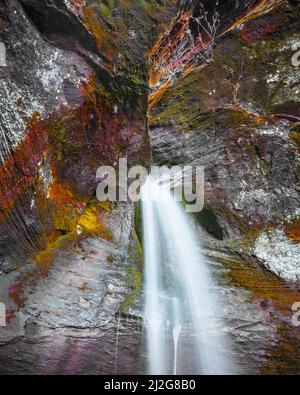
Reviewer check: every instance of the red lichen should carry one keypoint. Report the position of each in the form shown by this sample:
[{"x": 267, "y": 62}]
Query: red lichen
[
  {"x": 177, "y": 51},
  {"x": 259, "y": 30},
  {"x": 20, "y": 168}
]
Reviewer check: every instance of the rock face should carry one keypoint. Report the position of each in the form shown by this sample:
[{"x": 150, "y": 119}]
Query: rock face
[
  {"x": 238, "y": 116},
  {"x": 74, "y": 96},
  {"x": 75, "y": 319}
]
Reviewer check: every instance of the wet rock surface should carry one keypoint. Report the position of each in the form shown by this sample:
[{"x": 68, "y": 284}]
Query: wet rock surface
[
  {"x": 74, "y": 97},
  {"x": 238, "y": 117},
  {"x": 224, "y": 118},
  {"x": 76, "y": 320}
]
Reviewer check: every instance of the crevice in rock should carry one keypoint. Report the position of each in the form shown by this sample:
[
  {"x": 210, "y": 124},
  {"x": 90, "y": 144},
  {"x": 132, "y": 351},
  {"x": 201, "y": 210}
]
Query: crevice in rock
[{"x": 210, "y": 223}]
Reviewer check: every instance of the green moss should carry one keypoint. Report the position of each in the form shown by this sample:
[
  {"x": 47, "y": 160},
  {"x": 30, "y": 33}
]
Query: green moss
[
  {"x": 181, "y": 108},
  {"x": 136, "y": 258},
  {"x": 136, "y": 280},
  {"x": 138, "y": 225},
  {"x": 105, "y": 8}
]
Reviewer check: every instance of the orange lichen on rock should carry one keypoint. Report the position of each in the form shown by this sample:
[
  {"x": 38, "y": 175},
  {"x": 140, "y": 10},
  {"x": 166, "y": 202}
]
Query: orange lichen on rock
[
  {"x": 44, "y": 260},
  {"x": 177, "y": 51},
  {"x": 66, "y": 206},
  {"x": 84, "y": 287},
  {"x": 50, "y": 175},
  {"x": 19, "y": 170},
  {"x": 292, "y": 230},
  {"x": 162, "y": 51},
  {"x": 261, "y": 8},
  {"x": 15, "y": 291},
  {"x": 262, "y": 284}
]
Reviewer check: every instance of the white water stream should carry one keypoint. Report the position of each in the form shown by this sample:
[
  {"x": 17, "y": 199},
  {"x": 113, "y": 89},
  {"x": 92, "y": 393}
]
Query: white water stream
[{"x": 179, "y": 299}]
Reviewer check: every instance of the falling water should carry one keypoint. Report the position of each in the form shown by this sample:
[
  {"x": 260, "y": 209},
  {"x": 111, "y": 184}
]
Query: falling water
[
  {"x": 117, "y": 343},
  {"x": 181, "y": 325}
]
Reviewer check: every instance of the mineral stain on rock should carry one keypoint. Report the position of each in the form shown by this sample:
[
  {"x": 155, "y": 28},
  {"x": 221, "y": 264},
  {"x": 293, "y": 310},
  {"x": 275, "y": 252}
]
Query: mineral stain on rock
[{"x": 192, "y": 83}]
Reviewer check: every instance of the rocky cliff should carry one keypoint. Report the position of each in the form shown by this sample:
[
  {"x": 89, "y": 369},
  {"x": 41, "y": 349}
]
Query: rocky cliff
[
  {"x": 236, "y": 112},
  {"x": 88, "y": 82}
]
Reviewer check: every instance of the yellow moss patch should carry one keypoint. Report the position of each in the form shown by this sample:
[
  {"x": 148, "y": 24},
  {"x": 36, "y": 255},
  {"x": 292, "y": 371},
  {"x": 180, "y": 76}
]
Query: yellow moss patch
[
  {"x": 90, "y": 220},
  {"x": 94, "y": 222},
  {"x": 45, "y": 258}
]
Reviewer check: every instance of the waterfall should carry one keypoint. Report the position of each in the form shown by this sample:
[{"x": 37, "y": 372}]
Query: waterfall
[{"x": 179, "y": 298}]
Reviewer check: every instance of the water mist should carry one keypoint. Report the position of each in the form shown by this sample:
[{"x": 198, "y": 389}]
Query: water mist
[{"x": 179, "y": 301}]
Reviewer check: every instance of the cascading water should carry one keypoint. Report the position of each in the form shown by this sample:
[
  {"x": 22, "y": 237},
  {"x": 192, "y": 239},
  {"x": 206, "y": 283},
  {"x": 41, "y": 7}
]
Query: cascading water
[{"x": 179, "y": 300}]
